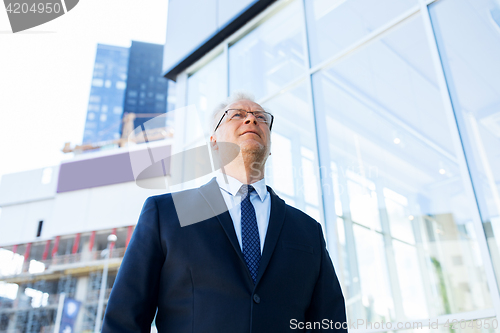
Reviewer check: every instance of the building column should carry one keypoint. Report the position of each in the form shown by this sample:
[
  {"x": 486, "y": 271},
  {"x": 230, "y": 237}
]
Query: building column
[{"x": 81, "y": 295}]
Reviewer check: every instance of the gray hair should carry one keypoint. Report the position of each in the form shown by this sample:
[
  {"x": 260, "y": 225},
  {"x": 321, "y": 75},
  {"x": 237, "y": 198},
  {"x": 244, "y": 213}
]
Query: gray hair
[{"x": 235, "y": 97}]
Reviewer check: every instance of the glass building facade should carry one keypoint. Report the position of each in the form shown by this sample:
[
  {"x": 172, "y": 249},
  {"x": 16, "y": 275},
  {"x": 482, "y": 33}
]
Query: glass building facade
[
  {"x": 146, "y": 93},
  {"x": 105, "y": 106},
  {"x": 387, "y": 131},
  {"x": 126, "y": 80}
]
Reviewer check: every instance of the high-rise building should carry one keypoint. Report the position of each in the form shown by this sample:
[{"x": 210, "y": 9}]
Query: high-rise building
[
  {"x": 146, "y": 93},
  {"x": 125, "y": 80},
  {"x": 105, "y": 106}
]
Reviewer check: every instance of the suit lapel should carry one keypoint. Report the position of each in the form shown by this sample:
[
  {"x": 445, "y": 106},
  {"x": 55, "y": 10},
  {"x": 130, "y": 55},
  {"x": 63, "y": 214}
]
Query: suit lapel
[
  {"x": 211, "y": 193},
  {"x": 276, "y": 219}
]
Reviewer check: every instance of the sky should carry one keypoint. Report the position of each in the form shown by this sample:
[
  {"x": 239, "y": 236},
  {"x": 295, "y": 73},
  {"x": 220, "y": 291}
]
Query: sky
[{"x": 46, "y": 71}]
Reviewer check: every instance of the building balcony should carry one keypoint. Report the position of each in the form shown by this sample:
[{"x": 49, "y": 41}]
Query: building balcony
[{"x": 17, "y": 270}]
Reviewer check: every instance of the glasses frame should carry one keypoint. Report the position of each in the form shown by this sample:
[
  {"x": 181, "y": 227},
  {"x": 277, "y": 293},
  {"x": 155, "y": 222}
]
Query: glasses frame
[{"x": 252, "y": 112}]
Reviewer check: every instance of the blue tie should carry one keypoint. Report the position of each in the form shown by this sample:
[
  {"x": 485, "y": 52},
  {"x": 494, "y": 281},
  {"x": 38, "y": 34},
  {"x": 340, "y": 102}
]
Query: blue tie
[{"x": 249, "y": 232}]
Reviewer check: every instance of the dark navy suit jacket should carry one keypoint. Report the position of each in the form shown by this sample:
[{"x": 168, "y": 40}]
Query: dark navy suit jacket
[{"x": 197, "y": 279}]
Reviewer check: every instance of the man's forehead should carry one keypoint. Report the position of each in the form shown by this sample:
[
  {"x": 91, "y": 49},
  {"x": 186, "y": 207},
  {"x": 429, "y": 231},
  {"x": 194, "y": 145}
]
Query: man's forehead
[{"x": 245, "y": 105}]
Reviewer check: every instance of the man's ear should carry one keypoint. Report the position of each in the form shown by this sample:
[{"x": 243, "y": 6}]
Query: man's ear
[{"x": 213, "y": 143}]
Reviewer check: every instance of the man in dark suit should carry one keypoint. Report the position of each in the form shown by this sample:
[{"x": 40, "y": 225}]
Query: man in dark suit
[{"x": 254, "y": 264}]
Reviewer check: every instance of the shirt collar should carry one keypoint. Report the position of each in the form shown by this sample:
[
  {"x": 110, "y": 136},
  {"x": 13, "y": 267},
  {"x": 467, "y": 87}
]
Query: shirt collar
[{"x": 233, "y": 185}]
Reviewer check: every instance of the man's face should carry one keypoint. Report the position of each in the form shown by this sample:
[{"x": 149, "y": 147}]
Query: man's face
[{"x": 250, "y": 135}]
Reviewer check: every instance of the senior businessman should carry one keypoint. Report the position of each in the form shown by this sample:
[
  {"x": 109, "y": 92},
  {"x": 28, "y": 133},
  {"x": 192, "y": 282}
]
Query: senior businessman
[{"x": 255, "y": 264}]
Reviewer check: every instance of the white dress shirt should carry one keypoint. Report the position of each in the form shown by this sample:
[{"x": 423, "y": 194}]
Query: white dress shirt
[{"x": 260, "y": 199}]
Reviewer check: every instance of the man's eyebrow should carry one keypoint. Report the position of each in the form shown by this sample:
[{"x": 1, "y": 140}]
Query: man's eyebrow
[{"x": 250, "y": 111}]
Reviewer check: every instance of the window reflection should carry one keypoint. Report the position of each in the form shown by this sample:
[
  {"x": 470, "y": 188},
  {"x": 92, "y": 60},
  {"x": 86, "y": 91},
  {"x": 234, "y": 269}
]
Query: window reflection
[
  {"x": 283, "y": 172},
  {"x": 375, "y": 291},
  {"x": 333, "y": 25},
  {"x": 10, "y": 263},
  {"x": 397, "y": 184},
  {"x": 270, "y": 56},
  {"x": 397, "y": 213},
  {"x": 410, "y": 280},
  {"x": 291, "y": 170},
  {"x": 8, "y": 290},
  {"x": 468, "y": 36},
  {"x": 363, "y": 202},
  {"x": 206, "y": 88},
  {"x": 310, "y": 182}
]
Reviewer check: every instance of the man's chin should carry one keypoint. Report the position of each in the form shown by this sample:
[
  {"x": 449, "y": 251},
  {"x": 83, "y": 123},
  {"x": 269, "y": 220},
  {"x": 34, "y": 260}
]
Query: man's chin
[{"x": 252, "y": 147}]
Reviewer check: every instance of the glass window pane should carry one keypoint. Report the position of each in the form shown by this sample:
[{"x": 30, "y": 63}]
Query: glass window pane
[
  {"x": 333, "y": 25},
  {"x": 270, "y": 56},
  {"x": 399, "y": 218},
  {"x": 283, "y": 177},
  {"x": 468, "y": 36},
  {"x": 410, "y": 280},
  {"x": 291, "y": 170},
  {"x": 375, "y": 290},
  {"x": 206, "y": 88},
  {"x": 363, "y": 203},
  {"x": 310, "y": 187},
  {"x": 398, "y": 177}
]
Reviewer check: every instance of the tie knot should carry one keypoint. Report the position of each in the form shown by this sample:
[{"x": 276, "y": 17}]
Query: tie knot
[{"x": 245, "y": 189}]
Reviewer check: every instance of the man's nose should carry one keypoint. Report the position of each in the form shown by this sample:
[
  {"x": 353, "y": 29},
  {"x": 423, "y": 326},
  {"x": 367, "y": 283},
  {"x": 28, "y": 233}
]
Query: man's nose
[{"x": 250, "y": 118}]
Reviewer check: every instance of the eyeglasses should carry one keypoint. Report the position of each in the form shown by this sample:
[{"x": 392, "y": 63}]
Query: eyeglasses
[{"x": 238, "y": 114}]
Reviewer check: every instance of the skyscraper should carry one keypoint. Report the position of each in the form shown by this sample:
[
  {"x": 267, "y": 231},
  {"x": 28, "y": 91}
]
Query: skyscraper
[
  {"x": 105, "y": 106},
  {"x": 125, "y": 80},
  {"x": 146, "y": 91}
]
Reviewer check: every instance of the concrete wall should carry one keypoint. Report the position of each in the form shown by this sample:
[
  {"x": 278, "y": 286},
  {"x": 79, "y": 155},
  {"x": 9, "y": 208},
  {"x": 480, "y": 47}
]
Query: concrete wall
[
  {"x": 72, "y": 212},
  {"x": 26, "y": 186},
  {"x": 93, "y": 191}
]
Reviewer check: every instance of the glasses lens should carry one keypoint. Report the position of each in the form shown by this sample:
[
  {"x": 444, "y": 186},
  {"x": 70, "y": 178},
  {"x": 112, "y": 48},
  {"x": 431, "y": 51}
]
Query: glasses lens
[
  {"x": 262, "y": 117},
  {"x": 237, "y": 114}
]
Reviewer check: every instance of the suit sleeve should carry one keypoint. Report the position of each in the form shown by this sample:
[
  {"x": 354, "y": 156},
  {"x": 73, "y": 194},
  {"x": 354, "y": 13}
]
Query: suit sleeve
[
  {"x": 134, "y": 297},
  {"x": 327, "y": 301}
]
